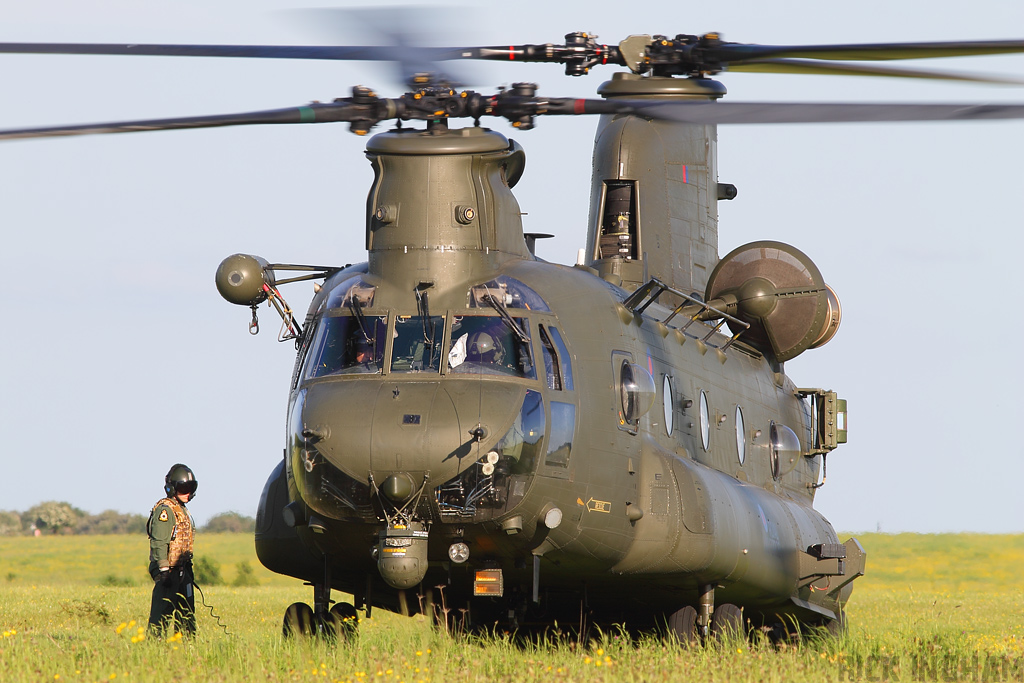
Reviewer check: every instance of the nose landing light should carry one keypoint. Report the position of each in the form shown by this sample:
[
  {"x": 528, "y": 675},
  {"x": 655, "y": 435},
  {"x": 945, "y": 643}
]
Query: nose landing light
[{"x": 458, "y": 552}]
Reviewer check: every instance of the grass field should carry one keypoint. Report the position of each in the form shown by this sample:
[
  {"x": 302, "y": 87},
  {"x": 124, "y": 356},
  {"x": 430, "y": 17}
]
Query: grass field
[{"x": 931, "y": 607}]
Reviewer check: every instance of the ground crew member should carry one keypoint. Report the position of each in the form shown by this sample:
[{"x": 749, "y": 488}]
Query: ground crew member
[{"x": 171, "y": 530}]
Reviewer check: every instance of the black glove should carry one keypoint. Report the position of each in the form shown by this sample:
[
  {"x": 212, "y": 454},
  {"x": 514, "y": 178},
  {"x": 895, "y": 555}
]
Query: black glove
[{"x": 163, "y": 577}]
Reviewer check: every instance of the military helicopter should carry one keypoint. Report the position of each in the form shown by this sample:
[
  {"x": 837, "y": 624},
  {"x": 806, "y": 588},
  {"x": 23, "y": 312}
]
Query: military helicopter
[{"x": 471, "y": 428}]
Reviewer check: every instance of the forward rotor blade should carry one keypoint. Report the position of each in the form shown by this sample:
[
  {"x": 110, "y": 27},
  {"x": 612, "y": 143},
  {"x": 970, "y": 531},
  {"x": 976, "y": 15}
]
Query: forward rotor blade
[
  {"x": 515, "y": 108},
  {"x": 819, "y": 112},
  {"x": 348, "y": 53},
  {"x": 314, "y": 113},
  {"x": 804, "y": 66},
  {"x": 736, "y": 52}
]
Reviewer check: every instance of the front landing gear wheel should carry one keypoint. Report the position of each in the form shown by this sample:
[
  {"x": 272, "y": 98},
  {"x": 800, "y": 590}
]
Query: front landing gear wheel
[
  {"x": 836, "y": 628},
  {"x": 682, "y": 625},
  {"x": 299, "y": 620},
  {"x": 342, "y": 621},
  {"x": 727, "y": 623}
]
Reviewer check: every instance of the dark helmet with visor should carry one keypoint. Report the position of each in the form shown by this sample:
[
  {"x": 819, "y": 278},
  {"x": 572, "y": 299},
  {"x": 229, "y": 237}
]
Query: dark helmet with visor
[{"x": 180, "y": 479}]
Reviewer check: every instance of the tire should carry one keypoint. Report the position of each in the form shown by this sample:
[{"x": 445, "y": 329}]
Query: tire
[
  {"x": 682, "y": 625},
  {"x": 727, "y": 623},
  {"x": 836, "y": 628},
  {"x": 298, "y": 620},
  {"x": 342, "y": 621}
]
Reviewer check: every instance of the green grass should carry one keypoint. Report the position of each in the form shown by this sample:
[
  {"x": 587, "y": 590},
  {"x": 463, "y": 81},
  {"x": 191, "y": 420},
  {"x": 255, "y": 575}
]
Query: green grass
[
  {"x": 940, "y": 607},
  {"x": 88, "y": 560}
]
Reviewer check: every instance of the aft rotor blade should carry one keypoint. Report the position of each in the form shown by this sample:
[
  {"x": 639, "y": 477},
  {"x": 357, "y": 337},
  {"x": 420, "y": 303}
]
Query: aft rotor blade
[
  {"x": 806, "y": 66},
  {"x": 314, "y": 113},
  {"x": 819, "y": 112},
  {"x": 737, "y": 52}
]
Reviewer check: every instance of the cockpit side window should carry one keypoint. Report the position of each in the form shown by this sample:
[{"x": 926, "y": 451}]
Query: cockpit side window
[
  {"x": 551, "y": 370},
  {"x": 490, "y": 345},
  {"x": 563, "y": 354},
  {"x": 348, "y": 344}
]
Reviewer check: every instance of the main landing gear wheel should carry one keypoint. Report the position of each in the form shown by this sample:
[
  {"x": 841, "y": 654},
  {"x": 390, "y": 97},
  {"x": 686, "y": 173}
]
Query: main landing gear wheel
[
  {"x": 682, "y": 625},
  {"x": 342, "y": 621},
  {"x": 299, "y": 620},
  {"x": 727, "y": 623}
]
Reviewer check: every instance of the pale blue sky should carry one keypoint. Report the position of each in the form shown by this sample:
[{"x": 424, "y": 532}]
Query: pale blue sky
[{"x": 119, "y": 357}]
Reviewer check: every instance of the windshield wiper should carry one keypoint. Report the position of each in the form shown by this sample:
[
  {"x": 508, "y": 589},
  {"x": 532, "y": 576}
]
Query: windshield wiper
[
  {"x": 357, "y": 312},
  {"x": 493, "y": 302}
]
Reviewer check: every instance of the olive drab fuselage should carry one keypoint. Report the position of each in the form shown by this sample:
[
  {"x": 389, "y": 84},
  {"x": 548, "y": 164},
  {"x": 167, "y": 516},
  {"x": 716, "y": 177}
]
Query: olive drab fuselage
[{"x": 456, "y": 390}]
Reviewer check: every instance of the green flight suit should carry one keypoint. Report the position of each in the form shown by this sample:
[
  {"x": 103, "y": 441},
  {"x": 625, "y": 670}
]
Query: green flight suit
[{"x": 173, "y": 606}]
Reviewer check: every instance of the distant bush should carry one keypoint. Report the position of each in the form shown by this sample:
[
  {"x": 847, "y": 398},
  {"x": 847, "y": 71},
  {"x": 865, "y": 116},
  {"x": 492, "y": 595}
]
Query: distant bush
[
  {"x": 115, "y": 581},
  {"x": 207, "y": 572},
  {"x": 52, "y": 516},
  {"x": 60, "y": 517},
  {"x": 10, "y": 523},
  {"x": 87, "y": 609},
  {"x": 245, "y": 576},
  {"x": 230, "y": 522},
  {"x": 112, "y": 522}
]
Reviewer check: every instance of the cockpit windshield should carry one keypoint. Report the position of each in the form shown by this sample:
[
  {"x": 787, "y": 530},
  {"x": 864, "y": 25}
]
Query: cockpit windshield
[
  {"x": 348, "y": 344},
  {"x": 490, "y": 345},
  {"x": 418, "y": 343}
]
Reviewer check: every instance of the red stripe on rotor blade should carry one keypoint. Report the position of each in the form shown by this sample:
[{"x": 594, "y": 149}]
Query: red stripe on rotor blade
[
  {"x": 579, "y": 106},
  {"x": 511, "y": 52}
]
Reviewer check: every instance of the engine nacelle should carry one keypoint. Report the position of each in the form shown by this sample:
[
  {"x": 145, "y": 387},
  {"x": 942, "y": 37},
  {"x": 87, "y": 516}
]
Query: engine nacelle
[
  {"x": 779, "y": 291},
  {"x": 242, "y": 279}
]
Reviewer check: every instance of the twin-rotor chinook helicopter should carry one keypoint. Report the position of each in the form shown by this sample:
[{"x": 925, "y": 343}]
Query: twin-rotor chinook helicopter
[{"x": 473, "y": 431}]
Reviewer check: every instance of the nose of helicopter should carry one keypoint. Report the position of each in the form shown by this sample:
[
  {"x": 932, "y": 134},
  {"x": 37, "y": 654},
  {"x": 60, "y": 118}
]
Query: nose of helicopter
[{"x": 400, "y": 431}]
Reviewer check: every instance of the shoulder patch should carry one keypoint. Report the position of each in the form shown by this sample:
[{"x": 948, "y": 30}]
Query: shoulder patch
[{"x": 163, "y": 515}]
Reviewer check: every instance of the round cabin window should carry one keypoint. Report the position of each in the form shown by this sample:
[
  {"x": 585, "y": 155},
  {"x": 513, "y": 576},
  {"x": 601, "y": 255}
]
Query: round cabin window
[
  {"x": 668, "y": 404},
  {"x": 741, "y": 437},
  {"x": 705, "y": 422}
]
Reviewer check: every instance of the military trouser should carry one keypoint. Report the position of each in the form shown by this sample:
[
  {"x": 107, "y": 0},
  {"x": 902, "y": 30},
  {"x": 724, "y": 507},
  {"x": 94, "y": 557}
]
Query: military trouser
[{"x": 174, "y": 603}]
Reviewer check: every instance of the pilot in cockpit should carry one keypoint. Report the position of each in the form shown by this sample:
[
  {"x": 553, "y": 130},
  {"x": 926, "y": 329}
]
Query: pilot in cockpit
[
  {"x": 484, "y": 348},
  {"x": 362, "y": 355}
]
